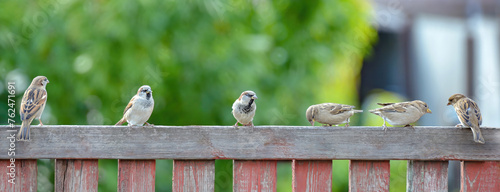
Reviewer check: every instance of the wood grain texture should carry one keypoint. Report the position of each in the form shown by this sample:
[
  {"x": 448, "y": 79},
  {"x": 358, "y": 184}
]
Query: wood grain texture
[
  {"x": 369, "y": 176},
  {"x": 25, "y": 175},
  {"x": 308, "y": 176},
  {"x": 193, "y": 176},
  {"x": 259, "y": 143},
  {"x": 480, "y": 176},
  {"x": 136, "y": 175},
  {"x": 76, "y": 175},
  {"x": 427, "y": 176},
  {"x": 253, "y": 176}
]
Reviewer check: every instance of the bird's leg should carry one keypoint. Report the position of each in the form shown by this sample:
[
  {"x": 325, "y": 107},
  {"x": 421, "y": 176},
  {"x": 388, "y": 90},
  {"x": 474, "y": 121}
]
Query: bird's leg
[
  {"x": 348, "y": 121},
  {"x": 250, "y": 124},
  {"x": 385, "y": 126},
  {"x": 236, "y": 125},
  {"x": 149, "y": 125},
  {"x": 459, "y": 125},
  {"x": 40, "y": 120}
]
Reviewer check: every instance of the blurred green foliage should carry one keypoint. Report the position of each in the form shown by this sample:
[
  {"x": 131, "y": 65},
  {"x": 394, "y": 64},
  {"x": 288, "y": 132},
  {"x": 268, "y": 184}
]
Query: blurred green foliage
[{"x": 198, "y": 56}]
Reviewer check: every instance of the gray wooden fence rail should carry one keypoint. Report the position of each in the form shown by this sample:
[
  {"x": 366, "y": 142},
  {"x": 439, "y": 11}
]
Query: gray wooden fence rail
[{"x": 255, "y": 152}]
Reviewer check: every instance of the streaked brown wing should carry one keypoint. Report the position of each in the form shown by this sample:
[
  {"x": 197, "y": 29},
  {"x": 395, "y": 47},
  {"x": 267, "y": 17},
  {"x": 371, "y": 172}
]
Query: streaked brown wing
[
  {"x": 33, "y": 100},
  {"x": 473, "y": 106},
  {"x": 464, "y": 111},
  {"x": 129, "y": 105},
  {"x": 334, "y": 108},
  {"x": 345, "y": 108},
  {"x": 396, "y": 107},
  {"x": 385, "y": 104}
]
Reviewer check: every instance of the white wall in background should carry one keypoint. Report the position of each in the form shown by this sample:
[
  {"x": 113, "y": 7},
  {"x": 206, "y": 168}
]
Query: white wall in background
[
  {"x": 439, "y": 65},
  {"x": 487, "y": 75}
]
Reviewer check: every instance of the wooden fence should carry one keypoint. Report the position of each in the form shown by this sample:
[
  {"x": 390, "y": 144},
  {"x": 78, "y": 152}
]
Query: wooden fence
[{"x": 255, "y": 152}]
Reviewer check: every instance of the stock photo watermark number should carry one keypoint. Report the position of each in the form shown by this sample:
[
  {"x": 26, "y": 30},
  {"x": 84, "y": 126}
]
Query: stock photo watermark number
[{"x": 11, "y": 112}]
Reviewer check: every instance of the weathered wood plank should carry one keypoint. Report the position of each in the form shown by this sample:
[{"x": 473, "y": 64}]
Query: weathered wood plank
[
  {"x": 76, "y": 175},
  {"x": 427, "y": 176},
  {"x": 258, "y": 143},
  {"x": 311, "y": 176},
  {"x": 25, "y": 173},
  {"x": 480, "y": 176},
  {"x": 136, "y": 175},
  {"x": 369, "y": 176},
  {"x": 253, "y": 176},
  {"x": 193, "y": 176}
]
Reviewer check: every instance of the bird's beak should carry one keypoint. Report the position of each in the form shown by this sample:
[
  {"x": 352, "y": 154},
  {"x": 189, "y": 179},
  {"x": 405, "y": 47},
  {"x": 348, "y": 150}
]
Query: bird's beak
[
  {"x": 429, "y": 111},
  {"x": 449, "y": 103},
  {"x": 254, "y": 97},
  {"x": 149, "y": 91},
  {"x": 312, "y": 123},
  {"x": 48, "y": 81}
]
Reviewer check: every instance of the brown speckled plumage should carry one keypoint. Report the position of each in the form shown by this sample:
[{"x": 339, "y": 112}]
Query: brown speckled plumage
[
  {"x": 469, "y": 115},
  {"x": 403, "y": 113},
  {"x": 244, "y": 108},
  {"x": 32, "y": 106},
  {"x": 139, "y": 109},
  {"x": 330, "y": 113}
]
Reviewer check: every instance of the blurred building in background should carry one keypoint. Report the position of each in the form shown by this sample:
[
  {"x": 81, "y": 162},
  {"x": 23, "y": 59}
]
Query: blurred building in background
[{"x": 429, "y": 50}]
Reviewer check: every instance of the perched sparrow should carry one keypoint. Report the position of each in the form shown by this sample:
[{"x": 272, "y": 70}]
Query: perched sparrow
[
  {"x": 32, "y": 106},
  {"x": 244, "y": 108},
  {"x": 139, "y": 108},
  {"x": 469, "y": 115},
  {"x": 330, "y": 113},
  {"x": 402, "y": 113}
]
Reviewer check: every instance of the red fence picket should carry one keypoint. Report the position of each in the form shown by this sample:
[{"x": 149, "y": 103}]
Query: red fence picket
[
  {"x": 254, "y": 175},
  {"x": 312, "y": 176},
  {"x": 369, "y": 175},
  {"x": 193, "y": 176},
  {"x": 136, "y": 175}
]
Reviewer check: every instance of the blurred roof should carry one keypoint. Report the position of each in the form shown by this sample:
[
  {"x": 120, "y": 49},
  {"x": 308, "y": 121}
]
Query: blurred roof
[
  {"x": 454, "y": 8},
  {"x": 393, "y": 14}
]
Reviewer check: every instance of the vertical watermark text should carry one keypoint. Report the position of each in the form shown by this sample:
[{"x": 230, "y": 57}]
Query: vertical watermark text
[{"x": 11, "y": 112}]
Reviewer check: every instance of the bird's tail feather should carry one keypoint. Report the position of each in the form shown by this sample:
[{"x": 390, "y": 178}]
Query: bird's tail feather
[
  {"x": 478, "y": 137},
  {"x": 376, "y": 112},
  {"x": 121, "y": 122},
  {"x": 24, "y": 131}
]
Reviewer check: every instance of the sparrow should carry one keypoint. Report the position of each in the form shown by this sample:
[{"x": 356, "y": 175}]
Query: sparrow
[
  {"x": 330, "y": 113},
  {"x": 402, "y": 113},
  {"x": 244, "y": 108},
  {"x": 469, "y": 115},
  {"x": 32, "y": 106},
  {"x": 139, "y": 108}
]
